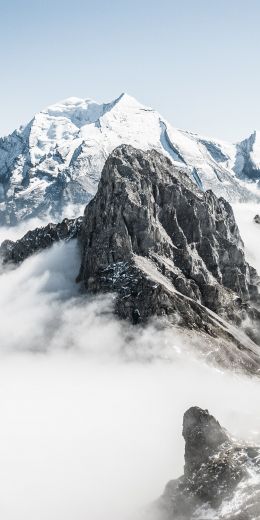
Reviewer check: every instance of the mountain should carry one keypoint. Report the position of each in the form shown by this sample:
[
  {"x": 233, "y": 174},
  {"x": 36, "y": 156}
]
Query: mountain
[
  {"x": 221, "y": 478},
  {"x": 165, "y": 249},
  {"x": 53, "y": 165},
  {"x": 39, "y": 239},
  {"x": 248, "y": 158}
]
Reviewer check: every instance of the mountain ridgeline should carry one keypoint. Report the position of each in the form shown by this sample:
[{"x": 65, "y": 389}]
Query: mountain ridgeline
[{"x": 53, "y": 164}]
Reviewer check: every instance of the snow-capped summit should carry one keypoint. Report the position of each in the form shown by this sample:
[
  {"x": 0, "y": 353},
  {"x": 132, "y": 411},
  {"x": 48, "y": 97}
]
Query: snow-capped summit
[{"x": 56, "y": 160}]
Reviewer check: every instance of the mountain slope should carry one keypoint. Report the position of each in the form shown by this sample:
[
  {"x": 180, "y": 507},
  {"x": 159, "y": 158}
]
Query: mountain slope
[
  {"x": 55, "y": 162},
  {"x": 165, "y": 249}
]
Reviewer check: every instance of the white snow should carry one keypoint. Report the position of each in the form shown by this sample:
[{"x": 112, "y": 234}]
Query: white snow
[{"x": 76, "y": 136}]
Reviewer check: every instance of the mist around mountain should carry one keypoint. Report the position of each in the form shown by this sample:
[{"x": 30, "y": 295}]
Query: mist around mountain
[
  {"x": 93, "y": 404},
  {"x": 139, "y": 307},
  {"x": 92, "y": 408}
]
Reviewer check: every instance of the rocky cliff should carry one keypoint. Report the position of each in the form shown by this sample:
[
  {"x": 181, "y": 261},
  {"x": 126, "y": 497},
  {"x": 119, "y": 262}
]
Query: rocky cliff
[
  {"x": 164, "y": 247},
  {"x": 221, "y": 476}
]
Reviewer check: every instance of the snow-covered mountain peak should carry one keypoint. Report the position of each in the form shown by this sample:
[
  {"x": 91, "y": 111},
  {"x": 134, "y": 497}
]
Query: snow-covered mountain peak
[
  {"x": 56, "y": 160},
  {"x": 248, "y": 156},
  {"x": 78, "y": 111},
  {"x": 64, "y": 126},
  {"x": 125, "y": 100}
]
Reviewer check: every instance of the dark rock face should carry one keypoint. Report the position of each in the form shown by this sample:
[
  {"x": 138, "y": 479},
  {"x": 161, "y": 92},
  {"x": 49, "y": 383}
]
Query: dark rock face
[
  {"x": 216, "y": 467},
  {"x": 39, "y": 239},
  {"x": 203, "y": 436},
  {"x": 165, "y": 247},
  {"x": 257, "y": 219}
]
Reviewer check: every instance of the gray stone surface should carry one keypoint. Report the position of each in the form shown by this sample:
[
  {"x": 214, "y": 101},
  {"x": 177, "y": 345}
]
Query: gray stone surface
[
  {"x": 164, "y": 247},
  {"x": 39, "y": 239},
  {"x": 217, "y": 470}
]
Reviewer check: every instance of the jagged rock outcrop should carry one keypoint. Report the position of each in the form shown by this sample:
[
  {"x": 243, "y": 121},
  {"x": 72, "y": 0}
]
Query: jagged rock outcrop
[
  {"x": 217, "y": 471},
  {"x": 257, "y": 219},
  {"x": 39, "y": 239},
  {"x": 164, "y": 247}
]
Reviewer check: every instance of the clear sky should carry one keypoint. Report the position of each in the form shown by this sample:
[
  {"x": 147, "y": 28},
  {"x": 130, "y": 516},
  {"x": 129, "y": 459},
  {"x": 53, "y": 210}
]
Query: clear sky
[{"x": 196, "y": 61}]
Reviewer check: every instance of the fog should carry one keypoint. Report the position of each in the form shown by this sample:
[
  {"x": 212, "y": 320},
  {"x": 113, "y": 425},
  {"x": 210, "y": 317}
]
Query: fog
[
  {"x": 91, "y": 408},
  {"x": 249, "y": 230}
]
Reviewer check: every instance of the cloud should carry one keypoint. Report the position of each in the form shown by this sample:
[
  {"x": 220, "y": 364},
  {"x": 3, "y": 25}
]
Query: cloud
[
  {"x": 91, "y": 408},
  {"x": 16, "y": 232}
]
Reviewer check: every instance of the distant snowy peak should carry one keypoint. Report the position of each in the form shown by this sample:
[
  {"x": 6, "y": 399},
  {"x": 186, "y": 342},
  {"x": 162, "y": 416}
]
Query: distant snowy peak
[
  {"x": 85, "y": 111},
  {"x": 248, "y": 157},
  {"x": 61, "y": 127},
  {"x": 55, "y": 162}
]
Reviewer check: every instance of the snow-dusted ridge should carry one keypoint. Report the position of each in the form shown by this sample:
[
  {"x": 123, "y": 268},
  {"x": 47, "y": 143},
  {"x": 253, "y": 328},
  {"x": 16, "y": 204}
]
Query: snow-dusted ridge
[{"x": 56, "y": 160}]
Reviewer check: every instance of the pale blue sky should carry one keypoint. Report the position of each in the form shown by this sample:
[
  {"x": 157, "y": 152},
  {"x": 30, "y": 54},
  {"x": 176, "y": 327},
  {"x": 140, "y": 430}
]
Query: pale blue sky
[{"x": 196, "y": 61}]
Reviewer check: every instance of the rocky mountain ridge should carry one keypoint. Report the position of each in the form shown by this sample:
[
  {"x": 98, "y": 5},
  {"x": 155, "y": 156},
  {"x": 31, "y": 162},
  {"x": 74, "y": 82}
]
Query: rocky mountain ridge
[
  {"x": 53, "y": 164},
  {"x": 165, "y": 249},
  {"x": 39, "y": 239},
  {"x": 171, "y": 245}
]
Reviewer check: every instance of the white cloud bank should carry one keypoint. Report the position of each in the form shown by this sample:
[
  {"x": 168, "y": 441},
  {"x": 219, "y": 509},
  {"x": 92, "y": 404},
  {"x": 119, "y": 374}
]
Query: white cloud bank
[
  {"x": 91, "y": 409},
  {"x": 250, "y": 231}
]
